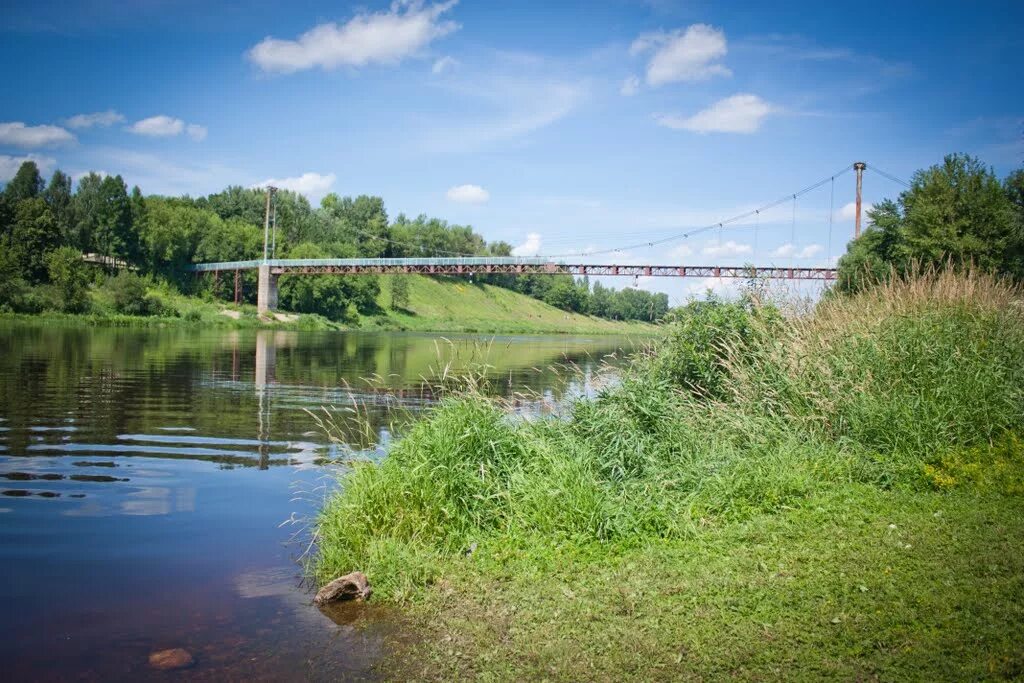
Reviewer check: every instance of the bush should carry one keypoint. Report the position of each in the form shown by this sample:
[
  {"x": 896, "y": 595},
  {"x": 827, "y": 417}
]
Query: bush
[
  {"x": 737, "y": 413},
  {"x": 70, "y": 277},
  {"x": 128, "y": 292},
  {"x": 703, "y": 334}
]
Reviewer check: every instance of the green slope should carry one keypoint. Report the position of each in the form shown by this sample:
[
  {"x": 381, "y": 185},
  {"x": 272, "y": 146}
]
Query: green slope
[{"x": 450, "y": 305}]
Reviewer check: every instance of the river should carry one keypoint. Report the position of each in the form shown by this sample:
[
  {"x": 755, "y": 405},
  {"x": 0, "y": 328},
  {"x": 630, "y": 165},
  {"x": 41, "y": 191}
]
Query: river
[{"x": 157, "y": 487}]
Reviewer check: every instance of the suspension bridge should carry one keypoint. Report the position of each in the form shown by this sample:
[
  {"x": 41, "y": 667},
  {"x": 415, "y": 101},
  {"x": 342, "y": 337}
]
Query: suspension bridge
[{"x": 269, "y": 269}]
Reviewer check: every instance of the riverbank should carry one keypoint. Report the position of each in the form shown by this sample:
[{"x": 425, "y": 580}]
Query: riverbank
[
  {"x": 839, "y": 496},
  {"x": 435, "y": 305}
]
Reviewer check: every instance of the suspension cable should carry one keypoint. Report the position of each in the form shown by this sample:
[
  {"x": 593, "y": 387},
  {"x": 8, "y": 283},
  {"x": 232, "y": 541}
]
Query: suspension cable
[
  {"x": 831, "y": 213},
  {"x": 697, "y": 231}
]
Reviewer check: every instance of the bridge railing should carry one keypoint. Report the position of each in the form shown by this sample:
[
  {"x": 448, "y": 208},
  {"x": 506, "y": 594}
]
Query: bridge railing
[{"x": 466, "y": 261}]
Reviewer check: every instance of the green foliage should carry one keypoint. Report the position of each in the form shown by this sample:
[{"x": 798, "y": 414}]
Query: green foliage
[
  {"x": 334, "y": 297},
  {"x": 399, "y": 292},
  {"x": 70, "y": 277},
  {"x": 956, "y": 211},
  {"x": 998, "y": 467},
  {"x": 33, "y": 234},
  {"x": 27, "y": 183},
  {"x": 129, "y": 294},
  {"x": 701, "y": 337},
  {"x": 868, "y": 389}
]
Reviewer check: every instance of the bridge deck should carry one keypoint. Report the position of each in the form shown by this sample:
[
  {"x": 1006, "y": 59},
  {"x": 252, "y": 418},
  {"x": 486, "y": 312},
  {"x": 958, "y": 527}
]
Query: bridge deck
[{"x": 509, "y": 266}]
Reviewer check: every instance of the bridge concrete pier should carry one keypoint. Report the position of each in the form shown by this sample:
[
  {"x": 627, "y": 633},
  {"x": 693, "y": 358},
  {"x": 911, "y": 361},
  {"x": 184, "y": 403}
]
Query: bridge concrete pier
[{"x": 266, "y": 291}]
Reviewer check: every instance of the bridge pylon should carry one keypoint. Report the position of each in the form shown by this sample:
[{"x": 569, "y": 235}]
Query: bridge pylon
[{"x": 266, "y": 290}]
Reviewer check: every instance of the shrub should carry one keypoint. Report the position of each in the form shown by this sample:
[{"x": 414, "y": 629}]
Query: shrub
[
  {"x": 128, "y": 293},
  {"x": 737, "y": 413},
  {"x": 70, "y": 277}
]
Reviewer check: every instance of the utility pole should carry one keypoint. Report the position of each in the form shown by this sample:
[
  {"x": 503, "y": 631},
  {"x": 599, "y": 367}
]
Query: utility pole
[
  {"x": 266, "y": 222},
  {"x": 859, "y": 168}
]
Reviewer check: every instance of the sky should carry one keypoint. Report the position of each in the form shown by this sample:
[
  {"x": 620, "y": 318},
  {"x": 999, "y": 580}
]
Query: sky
[{"x": 565, "y": 129}]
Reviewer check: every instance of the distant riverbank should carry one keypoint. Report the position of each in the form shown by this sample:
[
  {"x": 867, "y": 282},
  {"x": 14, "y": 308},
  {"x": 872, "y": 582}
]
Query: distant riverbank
[{"x": 435, "y": 305}]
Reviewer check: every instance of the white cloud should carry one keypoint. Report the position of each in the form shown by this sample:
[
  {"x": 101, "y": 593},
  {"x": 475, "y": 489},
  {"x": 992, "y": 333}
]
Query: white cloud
[
  {"x": 468, "y": 194},
  {"x": 727, "y": 249},
  {"x": 680, "y": 252},
  {"x": 196, "y": 132},
  {"x": 741, "y": 113},
  {"x": 849, "y": 211},
  {"x": 309, "y": 184},
  {"x": 100, "y": 118},
  {"x": 630, "y": 87},
  {"x": 368, "y": 38},
  {"x": 791, "y": 250},
  {"x": 444, "y": 64},
  {"x": 689, "y": 55},
  {"x": 163, "y": 126},
  {"x": 76, "y": 176},
  {"x": 531, "y": 247},
  {"x": 158, "y": 126},
  {"x": 720, "y": 286},
  {"x": 18, "y": 134},
  {"x": 9, "y": 165}
]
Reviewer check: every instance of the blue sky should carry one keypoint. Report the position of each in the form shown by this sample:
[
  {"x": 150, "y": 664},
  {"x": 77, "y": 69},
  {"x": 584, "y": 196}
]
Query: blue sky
[{"x": 559, "y": 127}]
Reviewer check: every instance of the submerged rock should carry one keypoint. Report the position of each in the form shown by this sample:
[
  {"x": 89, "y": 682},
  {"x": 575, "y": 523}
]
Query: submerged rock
[
  {"x": 352, "y": 586},
  {"x": 168, "y": 660}
]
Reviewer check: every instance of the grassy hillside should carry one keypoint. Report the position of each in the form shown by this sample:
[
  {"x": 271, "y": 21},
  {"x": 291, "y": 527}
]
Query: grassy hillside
[
  {"x": 450, "y": 305},
  {"x": 435, "y": 305}
]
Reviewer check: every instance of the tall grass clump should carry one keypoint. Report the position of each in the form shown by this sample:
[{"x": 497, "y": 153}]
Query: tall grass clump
[{"x": 910, "y": 383}]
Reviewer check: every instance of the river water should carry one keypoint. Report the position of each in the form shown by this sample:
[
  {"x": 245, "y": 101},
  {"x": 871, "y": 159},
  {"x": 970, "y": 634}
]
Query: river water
[{"x": 155, "y": 488}]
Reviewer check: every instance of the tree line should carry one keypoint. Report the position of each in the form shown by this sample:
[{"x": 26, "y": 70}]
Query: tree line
[
  {"x": 956, "y": 212},
  {"x": 46, "y": 228}
]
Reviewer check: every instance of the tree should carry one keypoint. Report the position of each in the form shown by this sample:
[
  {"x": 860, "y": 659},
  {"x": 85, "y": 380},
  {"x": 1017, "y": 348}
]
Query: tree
[
  {"x": 333, "y": 296},
  {"x": 956, "y": 211},
  {"x": 58, "y": 196},
  {"x": 34, "y": 233},
  {"x": 69, "y": 276},
  {"x": 399, "y": 292},
  {"x": 27, "y": 183},
  {"x": 113, "y": 235}
]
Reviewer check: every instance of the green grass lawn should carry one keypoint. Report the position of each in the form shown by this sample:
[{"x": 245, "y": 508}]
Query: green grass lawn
[
  {"x": 454, "y": 305},
  {"x": 859, "y": 584}
]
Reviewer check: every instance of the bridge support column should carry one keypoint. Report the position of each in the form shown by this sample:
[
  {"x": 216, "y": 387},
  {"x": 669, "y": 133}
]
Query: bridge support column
[{"x": 266, "y": 292}]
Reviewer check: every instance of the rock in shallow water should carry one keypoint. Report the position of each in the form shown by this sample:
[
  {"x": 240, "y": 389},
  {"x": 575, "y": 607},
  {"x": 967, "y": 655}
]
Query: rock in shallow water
[
  {"x": 168, "y": 660},
  {"x": 352, "y": 586}
]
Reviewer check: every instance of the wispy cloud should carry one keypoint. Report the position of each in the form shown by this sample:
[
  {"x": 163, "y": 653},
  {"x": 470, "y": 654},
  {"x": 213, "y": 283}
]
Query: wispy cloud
[
  {"x": 18, "y": 134},
  {"x": 468, "y": 194},
  {"x": 443, "y": 64},
  {"x": 791, "y": 250},
  {"x": 683, "y": 55},
  {"x": 727, "y": 249},
  {"x": 630, "y": 86},
  {"x": 742, "y": 113},
  {"x": 849, "y": 211},
  {"x": 9, "y": 165},
  {"x": 102, "y": 119},
  {"x": 385, "y": 37},
  {"x": 312, "y": 185},
  {"x": 163, "y": 126},
  {"x": 519, "y": 106}
]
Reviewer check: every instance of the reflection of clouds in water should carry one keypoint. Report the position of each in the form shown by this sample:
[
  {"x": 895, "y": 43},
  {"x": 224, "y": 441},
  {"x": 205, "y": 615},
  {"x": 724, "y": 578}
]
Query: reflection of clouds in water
[{"x": 160, "y": 500}]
